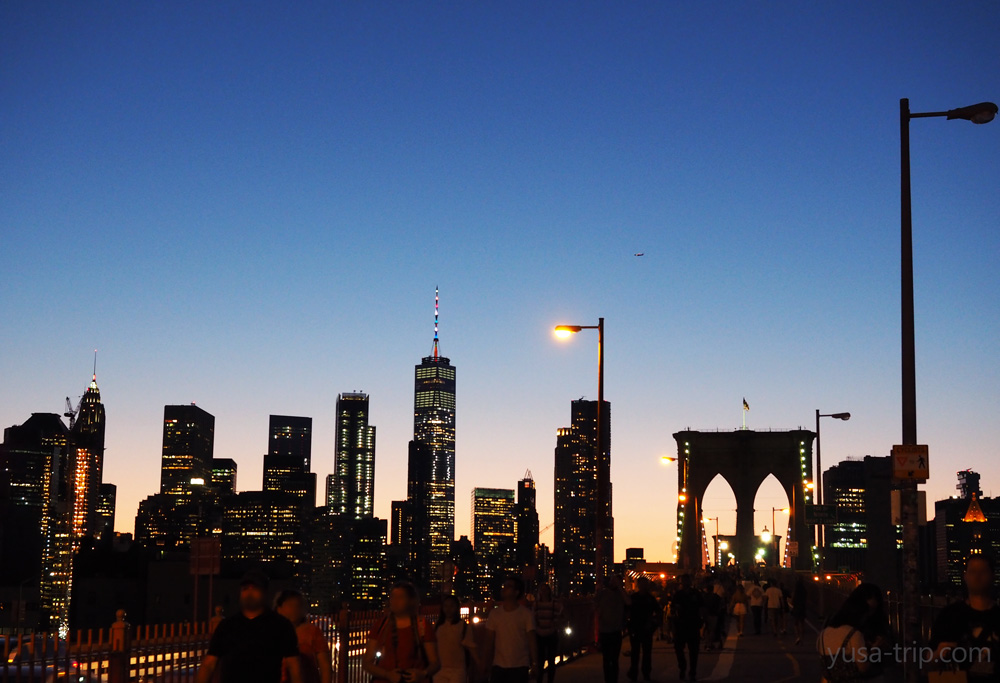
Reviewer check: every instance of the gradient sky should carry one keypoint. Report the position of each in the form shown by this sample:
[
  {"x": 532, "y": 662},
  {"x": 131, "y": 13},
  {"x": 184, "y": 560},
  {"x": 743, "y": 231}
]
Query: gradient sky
[{"x": 248, "y": 205}]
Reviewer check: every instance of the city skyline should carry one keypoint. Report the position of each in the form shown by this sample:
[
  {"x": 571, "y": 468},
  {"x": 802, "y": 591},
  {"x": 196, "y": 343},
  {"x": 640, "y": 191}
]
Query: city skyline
[{"x": 259, "y": 202}]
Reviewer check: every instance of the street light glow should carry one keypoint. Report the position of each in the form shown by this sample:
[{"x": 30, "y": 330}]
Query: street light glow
[
  {"x": 566, "y": 331},
  {"x": 765, "y": 535}
]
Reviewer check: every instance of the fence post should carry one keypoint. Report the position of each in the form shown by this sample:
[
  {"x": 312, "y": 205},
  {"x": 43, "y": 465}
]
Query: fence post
[
  {"x": 344, "y": 644},
  {"x": 118, "y": 661}
]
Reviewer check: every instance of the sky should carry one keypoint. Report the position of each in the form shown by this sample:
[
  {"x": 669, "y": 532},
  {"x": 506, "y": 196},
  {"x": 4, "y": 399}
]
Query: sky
[{"x": 248, "y": 205}]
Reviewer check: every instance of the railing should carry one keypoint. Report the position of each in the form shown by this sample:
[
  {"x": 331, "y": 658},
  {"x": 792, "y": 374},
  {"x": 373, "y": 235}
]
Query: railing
[{"x": 171, "y": 653}]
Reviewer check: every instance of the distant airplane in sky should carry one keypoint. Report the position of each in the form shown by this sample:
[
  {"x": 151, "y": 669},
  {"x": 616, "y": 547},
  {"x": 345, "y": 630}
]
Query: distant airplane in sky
[{"x": 641, "y": 254}]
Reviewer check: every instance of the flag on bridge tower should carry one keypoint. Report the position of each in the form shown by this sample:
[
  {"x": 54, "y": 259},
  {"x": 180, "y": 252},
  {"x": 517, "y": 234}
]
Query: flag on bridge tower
[{"x": 746, "y": 409}]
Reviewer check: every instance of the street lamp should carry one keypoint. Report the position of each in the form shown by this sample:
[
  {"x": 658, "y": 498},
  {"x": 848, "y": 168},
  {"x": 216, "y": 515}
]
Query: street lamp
[
  {"x": 603, "y": 464},
  {"x": 706, "y": 520},
  {"x": 774, "y": 526},
  {"x": 818, "y": 477},
  {"x": 984, "y": 112}
]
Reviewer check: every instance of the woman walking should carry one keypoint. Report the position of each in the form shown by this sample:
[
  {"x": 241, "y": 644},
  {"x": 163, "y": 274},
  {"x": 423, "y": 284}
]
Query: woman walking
[
  {"x": 738, "y": 607},
  {"x": 402, "y": 647},
  {"x": 456, "y": 644}
]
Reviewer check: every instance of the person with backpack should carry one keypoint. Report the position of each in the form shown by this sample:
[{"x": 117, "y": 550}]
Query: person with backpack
[
  {"x": 315, "y": 660},
  {"x": 401, "y": 647},
  {"x": 456, "y": 644},
  {"x": 841, "y": 643},
  {"x": 755, "y": 594},
  {"x": 547, "y": 612}
]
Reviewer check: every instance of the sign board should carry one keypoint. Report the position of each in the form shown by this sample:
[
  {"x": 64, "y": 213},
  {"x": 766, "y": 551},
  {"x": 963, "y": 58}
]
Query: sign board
[
  {"x": 821, "y": 514},
  {"x": 910, "y": 462},
  {"x": 206, "y": 556},
  {"x": 792, "y": 548}
]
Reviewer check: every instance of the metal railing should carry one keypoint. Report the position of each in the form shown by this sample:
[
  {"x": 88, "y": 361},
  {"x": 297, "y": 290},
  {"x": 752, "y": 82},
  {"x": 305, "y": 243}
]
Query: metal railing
[{"x": 171, "y": 653}]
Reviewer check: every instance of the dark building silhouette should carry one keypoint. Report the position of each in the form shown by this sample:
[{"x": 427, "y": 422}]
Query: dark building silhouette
[
  {"x": 525, "y": 523},
  {"x": 224, "y": 476},
  {"x": 87, "y": 461},
  {"x": 463, "y": 557},
  {"x": 263, "y": 528},
  {"x": 165, "y": 523},
  {"x": 288, "y": 462},
  {"x": 415, "y": 535},
  {"x": 353, "y": 490},
  {"x": 493, "y": 537},
  {"x": 862, "y": 538},
  {"x": 576, "y": 503},
  {"x": 367, "y": 566},
  {"x": 36, "y": 503},
  {"x": 397, "y": 523},
  {"x": 434, "y": 429},
  {"x": 188, "y": 443},
  {"x": 105, "y": 513},
  {"x": 963, "y": 526}
]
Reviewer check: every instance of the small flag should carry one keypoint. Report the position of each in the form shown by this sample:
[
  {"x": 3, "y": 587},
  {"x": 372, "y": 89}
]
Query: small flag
[{"x": 746, "y": 406}]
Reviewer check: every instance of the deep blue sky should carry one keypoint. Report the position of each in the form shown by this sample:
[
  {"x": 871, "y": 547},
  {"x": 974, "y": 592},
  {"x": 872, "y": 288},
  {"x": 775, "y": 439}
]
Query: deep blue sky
[{"x": 248, "y": 205}]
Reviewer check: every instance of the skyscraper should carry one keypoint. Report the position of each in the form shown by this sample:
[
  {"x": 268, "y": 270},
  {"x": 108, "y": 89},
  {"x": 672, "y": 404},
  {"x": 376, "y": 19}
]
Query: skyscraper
[
  {"x": 492, "y": 536},
  {"x": 224, "y": 476},
  {"x": 188, "y": 442},
  {"x": 35, "y": 506},
  {"x": 353, "y": 491},
  {"x": 525, "y": 523},
  {"x": 87, "y": 461},
  {"x": 106, "y": 510},
  {"x": 434, "y": 428},
  {"x": 288, "y": 462},
  {"x": 576, "y": 500}
]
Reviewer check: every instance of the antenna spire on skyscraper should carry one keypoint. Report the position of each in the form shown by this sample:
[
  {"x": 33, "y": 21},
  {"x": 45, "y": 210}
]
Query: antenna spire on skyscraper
[
  {"x": 93, "y": 381},
  {"x": 436, "y": 299}
]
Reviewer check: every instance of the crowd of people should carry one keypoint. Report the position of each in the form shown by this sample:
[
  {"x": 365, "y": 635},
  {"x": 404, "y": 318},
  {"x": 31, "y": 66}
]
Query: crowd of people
[{"x": 519, "y": 640}]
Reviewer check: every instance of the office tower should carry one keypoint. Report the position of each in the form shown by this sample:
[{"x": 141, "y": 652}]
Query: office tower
[
  {"x": 634, "y": 557},
  {"x": 463, "y": 557},
  {"x": 165, "y": 522},
  {"x": 87, "y": 460},
  {"x": 398, "y": 522},
  {"x": 366, "y": 569},
  {"x": 262, "y": 528},
  {"x": 288, "y": 462},
  {"x": 188, "y": 442},
  {"x": 575, "y": 498},
  {"x": 415, "y": 533},
  {"x": 36, "y": 499},
  {"x": 862, "y": 537},
  {"x": 964, "y": 526},
  {"x": 525, "y": 523},
  {"x": 224, "y": 476},
  {"x": 354, "y": 478},
  {"x": 584, "y": 418},
  {"x": 434, "y": 428},
  {"x": 105, "y": 513},
  {"x": 968, "y": 484},
  {"x": 493, "y": 536}
]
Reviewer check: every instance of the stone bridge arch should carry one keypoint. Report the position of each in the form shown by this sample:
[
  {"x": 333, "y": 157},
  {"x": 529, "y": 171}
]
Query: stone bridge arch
[{"x": 744, "y": 459}]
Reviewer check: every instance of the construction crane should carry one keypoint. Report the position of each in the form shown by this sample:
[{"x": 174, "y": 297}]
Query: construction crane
[
  {"x": 71, "y": 412},
  {"x": 547, "y": 527}
]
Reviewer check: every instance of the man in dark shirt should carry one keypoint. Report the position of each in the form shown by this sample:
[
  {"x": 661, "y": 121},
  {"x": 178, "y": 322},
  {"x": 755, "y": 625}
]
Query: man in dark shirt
[
  {"x": 252, "y": 646},
  {"x": 643, "y": 618},
  {"x": 686, "y": 607},
  {"x": 967, "y": 633}
]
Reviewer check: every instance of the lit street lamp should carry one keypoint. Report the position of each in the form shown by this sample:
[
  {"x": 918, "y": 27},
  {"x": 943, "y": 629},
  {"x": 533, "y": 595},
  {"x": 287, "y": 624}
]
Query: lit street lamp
[
  {"x": 984, "y": 112},
  {"x": 603, "y": 466}
]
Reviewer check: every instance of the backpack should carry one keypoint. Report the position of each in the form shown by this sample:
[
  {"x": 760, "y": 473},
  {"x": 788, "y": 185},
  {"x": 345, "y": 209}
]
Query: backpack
[
  {"x": 419, "y": 628},
  {"x": 836, "y": 668}
]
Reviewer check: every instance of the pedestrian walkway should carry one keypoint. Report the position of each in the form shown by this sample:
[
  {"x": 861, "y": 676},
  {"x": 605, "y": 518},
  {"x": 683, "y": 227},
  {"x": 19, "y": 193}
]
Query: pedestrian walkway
[{"x": 750, "y": 658}]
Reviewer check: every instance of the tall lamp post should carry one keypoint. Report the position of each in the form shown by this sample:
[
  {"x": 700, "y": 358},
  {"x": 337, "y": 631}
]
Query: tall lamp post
[
  {"x": 984, "y": 112},
  {"x": 818, "y": 478},
  {"x": 603, "y": 466}
]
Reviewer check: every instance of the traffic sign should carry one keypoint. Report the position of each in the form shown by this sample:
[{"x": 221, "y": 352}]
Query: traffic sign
[
  {"x": 910, "y": 462},
  {"x": 792, "y": 547},
  {"x": 206, "y": 555},
  {"x": 821, "y": 514}
]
